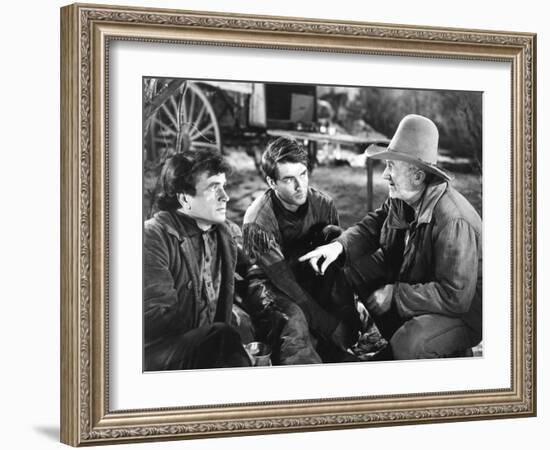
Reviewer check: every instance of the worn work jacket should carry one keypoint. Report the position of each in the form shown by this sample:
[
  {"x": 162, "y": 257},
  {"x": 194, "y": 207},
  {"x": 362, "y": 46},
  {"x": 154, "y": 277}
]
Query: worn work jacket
[
  {"x": 434, "y": 263},
  {"x": 171, "y": 276},
  {"x": 265, "y": 245}
]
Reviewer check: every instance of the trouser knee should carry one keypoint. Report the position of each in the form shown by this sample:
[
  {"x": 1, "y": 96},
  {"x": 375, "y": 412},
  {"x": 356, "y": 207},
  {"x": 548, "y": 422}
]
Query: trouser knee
[
  {"x": 296, "y": 346},
  {"x": 296, "y": 327},
  {"x": 407, "y": 346},
  {"x": 430, "y": 336}
]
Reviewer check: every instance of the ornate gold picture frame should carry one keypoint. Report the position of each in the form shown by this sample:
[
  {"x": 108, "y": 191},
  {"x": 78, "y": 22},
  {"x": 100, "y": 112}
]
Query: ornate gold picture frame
[{"x": 87, "y": 33}]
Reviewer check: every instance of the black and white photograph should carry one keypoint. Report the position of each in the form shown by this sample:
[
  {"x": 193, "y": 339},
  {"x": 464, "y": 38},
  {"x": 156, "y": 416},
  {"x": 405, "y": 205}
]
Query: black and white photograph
[
  {"x": 294, "y": 224},
  {"x": 278, "y": 220}
]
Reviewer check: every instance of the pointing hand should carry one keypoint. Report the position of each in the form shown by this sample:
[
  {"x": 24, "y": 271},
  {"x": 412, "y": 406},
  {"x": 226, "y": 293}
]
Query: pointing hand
[{"x": 326, "y": 253}]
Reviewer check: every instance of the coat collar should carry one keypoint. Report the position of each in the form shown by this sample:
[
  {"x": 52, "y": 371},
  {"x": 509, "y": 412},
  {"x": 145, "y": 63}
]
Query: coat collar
[
  {"x": 181, "y": 226},
  {"x": 432, "y": 194}
]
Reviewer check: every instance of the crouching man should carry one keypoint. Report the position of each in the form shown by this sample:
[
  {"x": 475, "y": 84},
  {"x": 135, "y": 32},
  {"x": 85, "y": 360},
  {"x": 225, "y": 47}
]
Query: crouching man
[
  {"x": 191, "y": 254},
  {"x": 280, "y": 225},
  {"x": 417, "y": 261}
]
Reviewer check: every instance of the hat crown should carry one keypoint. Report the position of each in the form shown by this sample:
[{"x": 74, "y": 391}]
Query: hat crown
[{"x": 417, "y": 137}]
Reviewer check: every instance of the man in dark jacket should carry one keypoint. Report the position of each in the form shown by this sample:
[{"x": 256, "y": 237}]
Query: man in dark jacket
[
  {"x": 417, "y": 261},
  {"x": 191, "y": 254},
  {"x": 280, "y": 225}
]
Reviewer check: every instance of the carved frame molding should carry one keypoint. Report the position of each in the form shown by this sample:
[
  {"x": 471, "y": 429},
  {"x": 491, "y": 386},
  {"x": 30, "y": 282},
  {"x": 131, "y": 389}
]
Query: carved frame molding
[{"x": 86, "y": 32}]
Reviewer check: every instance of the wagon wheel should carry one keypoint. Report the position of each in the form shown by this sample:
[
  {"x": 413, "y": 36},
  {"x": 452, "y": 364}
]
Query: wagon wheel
[{"x": 185, "y": 120}]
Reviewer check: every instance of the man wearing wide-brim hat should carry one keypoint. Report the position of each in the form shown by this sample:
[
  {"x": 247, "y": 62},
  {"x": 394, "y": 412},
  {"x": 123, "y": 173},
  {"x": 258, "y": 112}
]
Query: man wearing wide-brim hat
[{"x": 416, "y": 262}]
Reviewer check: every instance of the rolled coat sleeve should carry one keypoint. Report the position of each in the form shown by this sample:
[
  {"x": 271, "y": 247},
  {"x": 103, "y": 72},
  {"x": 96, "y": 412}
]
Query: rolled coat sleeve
[
  {"x": 364, "y": 237},
  {"x": 456, "y": 251}
]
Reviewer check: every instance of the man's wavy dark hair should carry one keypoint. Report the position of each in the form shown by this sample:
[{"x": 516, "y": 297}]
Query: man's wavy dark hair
[
  {"x": 284, "y": 149},
  {"x": 180, "y": 173}
]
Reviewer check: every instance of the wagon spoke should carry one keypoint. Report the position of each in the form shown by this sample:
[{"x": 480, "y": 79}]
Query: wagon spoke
[
  {"x": 192, "y": 108},
  {"x": 174, "y": 104},
  {"x": 183, "y": 112},
  {"x": 170, "y": 115},
  {"x": 201, "y": 113},
  {"x": 202, "y": 132},
  {"x": 186, "y": 119},
  {"x": 166, "y": 129},
  {"x": 195, "y": 144}
]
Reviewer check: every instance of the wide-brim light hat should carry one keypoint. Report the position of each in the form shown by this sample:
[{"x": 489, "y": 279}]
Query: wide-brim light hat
[{"x": 415, "y": 141}]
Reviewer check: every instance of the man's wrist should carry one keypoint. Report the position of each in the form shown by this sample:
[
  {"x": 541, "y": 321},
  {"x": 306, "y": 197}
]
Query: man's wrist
[
  {"x": 380, "y": 301},
  {"x": 341, "y": 259}
]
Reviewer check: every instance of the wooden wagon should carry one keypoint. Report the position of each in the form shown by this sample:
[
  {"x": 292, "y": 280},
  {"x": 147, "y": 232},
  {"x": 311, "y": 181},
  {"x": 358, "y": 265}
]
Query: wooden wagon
[{"x": 184, "y": 114}]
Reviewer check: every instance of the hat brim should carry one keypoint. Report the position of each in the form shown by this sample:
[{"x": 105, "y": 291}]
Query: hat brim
[{"x": 385, "y": 153}]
